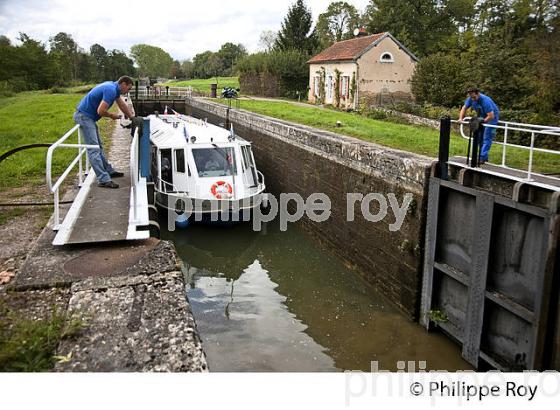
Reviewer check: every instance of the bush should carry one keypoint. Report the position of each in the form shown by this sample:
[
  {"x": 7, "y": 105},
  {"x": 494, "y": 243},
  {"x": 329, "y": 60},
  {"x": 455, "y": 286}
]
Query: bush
[
  {"x": 58, "y": 90},
  {"x": 287, "y": 70},
  {"x": 434, "y": 112},
  {"x": 375, "y": 114},
  {"x": 382, "y": 115},
  {"x": 408, "y": 107},
  {"x": 440, "y": 79},
  {"x": 6, "y": 90}
]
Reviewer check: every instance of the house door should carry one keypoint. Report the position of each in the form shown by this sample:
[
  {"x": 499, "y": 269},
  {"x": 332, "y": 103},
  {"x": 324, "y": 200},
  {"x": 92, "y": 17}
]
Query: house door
[{"x": 329, "y": 88}]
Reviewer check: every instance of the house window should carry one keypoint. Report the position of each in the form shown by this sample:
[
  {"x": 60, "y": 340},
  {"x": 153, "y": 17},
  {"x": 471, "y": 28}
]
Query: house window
[
  {"x": 387, "y": 57},
  {"x": 329, "y": 87},
  {"x": 345, "y": 86},
  {"x": 317, "y": 81}
]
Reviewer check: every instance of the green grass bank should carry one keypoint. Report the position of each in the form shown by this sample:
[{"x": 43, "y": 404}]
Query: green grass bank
[
  {"x": 418, "y": 139},
  {"x": 37, "y": 117}
]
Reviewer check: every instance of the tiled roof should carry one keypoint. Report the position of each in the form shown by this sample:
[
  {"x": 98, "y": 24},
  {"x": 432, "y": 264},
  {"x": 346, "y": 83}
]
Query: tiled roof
[{"x": 346, "y": 50}]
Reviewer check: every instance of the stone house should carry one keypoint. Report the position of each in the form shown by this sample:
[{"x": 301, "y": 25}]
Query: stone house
[{"x": 366, "y": 69}]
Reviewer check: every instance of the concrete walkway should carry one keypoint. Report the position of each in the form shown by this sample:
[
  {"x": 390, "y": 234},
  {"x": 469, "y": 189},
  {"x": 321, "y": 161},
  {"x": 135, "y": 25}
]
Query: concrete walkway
[{"x": 130, "y": 295}]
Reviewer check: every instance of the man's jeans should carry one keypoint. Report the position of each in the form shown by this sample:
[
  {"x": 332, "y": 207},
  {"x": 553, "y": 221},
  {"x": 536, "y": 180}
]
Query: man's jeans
[
  {"x": 90, "y": 134},
  {"x": 486, "y": 143}
]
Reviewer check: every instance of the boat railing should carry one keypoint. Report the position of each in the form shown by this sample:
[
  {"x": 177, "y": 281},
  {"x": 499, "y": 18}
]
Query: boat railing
[
  {"x": 508, "y": 127},
  {"x": 54, "y": 186},
  {"x": 260, "y": 177},
  {"x": 166, "y": 184}
]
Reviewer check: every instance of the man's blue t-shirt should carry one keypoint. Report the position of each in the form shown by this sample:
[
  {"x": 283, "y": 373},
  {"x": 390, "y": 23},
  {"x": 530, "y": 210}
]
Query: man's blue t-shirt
[
  {"x": 107, "y": 91},
  {"x": 483, "y": 106}
]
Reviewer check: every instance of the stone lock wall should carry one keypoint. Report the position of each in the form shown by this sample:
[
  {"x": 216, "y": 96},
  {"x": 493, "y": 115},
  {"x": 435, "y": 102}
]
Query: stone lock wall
[{"x": 305, "y": 160}]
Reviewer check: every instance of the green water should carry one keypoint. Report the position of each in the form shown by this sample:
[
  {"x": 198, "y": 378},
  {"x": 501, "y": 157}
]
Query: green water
[{"x": 278, "y": 301}]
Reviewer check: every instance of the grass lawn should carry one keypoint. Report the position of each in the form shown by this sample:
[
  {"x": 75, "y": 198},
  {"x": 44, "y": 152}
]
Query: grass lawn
[
  {"x": 204, "y": 85},
  {"x": 35, "y": 117},
  {"x": 417, "y": 139}
]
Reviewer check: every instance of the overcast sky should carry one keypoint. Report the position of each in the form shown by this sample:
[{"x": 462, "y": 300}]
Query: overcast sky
[{"x": 182, "y": 28}]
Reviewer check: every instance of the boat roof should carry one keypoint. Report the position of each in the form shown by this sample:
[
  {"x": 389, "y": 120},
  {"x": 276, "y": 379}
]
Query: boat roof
[{"x": 164, "y": 134}]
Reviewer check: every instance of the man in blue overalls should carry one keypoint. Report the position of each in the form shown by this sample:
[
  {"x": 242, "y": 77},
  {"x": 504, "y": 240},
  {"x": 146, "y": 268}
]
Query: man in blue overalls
[
  {"x": 91, "y": 108},
  {"x": 490, "y": 114}
]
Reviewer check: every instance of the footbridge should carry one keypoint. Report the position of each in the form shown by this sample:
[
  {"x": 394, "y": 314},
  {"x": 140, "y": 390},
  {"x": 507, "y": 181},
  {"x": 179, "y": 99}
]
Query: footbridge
[{"x": 99, "y": 214}]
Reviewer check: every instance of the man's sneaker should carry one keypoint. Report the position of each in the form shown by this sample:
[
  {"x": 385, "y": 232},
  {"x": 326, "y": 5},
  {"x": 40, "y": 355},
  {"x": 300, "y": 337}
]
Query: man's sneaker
[
  {"x": 108, "y": 184},
  {"x": 116, "y": 174}
]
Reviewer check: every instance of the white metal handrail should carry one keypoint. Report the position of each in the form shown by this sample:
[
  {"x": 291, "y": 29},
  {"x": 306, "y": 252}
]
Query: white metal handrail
[
  {"x": 55, "y": 188},
  {"x": 533, "y": 129},
  {"x": 161, "y": 91},
  {"x": 134, "y": 173}
]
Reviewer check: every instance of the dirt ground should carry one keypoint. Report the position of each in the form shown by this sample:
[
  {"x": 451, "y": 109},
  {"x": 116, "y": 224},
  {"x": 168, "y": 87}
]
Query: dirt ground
[{"x": 20, "y": 226}]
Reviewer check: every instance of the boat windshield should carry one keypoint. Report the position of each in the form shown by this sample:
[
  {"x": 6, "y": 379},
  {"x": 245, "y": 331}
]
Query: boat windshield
[{"x": 214, "y": 162}]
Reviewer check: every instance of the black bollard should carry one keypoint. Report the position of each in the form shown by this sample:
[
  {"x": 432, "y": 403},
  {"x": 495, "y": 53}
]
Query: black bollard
[
  {"x": 443, "y": 155},
  {"x": 136, "y": 91}
]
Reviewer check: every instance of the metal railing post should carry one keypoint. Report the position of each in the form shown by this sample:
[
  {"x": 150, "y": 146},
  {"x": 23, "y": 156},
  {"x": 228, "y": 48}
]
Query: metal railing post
[
  {"x": 54, "y": 188},
  {"x": 80, "y": 153},
  {"x": 531, "y": 150},
  {"x": 56, "y": 210},
  {"x": 135, "y": 176},
  {"x": 504, "y": 146}
]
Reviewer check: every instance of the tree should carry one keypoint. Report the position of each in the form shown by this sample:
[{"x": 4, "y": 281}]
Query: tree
[
  {"x": 337, "y": 23},
  {"x": 267, "y": 40},
  {"x": 440, "y": 79},
  {"x": 276, "y": 73},
  {"x": 201, "y": 65},
  {"x": 296, "y": 33},
  {"x": 118, "y": 64},
  {"x": 151, "y": 61},
  {"x": 35, "y": 68},
  {"x": 85, "y": 66},
  {"x": 176, "y": 70},
  {"x": 100, "y": 61},
  {"x": 5, "y": 41},
  {"x": 8, "y": 58},
  {"x": 229, "y": 54},
  {"x": 545, "y": 79},
  {"x": 421, "y": 25},
  {"x": 65, "y": 51},
  {"x": 187, "y": 67}
]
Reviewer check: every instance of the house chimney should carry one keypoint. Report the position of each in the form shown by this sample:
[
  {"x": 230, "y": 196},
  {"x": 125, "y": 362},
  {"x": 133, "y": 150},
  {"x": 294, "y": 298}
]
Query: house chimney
[{"x": 360, "y": 32}]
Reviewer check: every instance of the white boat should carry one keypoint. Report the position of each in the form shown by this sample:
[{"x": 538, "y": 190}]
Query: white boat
[{"x": 203, "y": 171}]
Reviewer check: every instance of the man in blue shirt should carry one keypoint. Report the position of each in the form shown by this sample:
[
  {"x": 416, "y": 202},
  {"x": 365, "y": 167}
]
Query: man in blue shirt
[
  {"x": 91, "y": 108},
  {"x": 490, "y": 114}
]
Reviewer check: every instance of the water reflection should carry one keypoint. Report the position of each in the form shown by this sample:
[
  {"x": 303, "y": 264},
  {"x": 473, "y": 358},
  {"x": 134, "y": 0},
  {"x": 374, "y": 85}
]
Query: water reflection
[{"x": 277, "y": 301}]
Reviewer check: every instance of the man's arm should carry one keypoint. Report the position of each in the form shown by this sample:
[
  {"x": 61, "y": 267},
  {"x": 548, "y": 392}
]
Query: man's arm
[
  {"x": 124, "y": 108},
  {"x": 102, "y": 110},
  {"x": 462, "y": 113},
  {"x": 489, "y": 117}
]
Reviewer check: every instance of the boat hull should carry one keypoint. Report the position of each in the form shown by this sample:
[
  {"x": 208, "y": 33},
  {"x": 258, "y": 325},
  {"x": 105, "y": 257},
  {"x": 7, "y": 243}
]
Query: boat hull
[{"x": 205, "y": 211}]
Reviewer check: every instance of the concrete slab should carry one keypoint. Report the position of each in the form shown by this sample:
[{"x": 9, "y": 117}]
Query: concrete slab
[
  {"x": 50, "y": 266},
  {"x": 35, "y": 304},
  {"x": 104, "y": 215},
  {"x": 509, "y": 172},
  {"x": 133, "y": 323}
]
